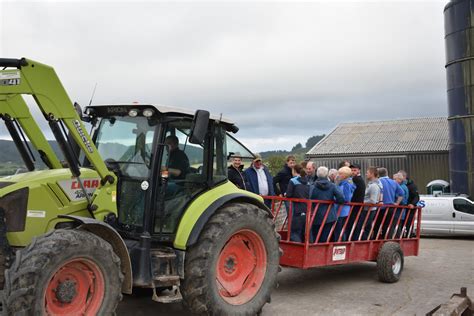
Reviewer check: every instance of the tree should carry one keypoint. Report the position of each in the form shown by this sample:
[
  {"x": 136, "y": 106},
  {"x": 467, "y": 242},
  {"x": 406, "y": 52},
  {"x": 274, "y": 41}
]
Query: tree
[
  {"x": 275, "y": 163},
  {"x": 297, "y": 147},
  {"x": 313, "y": 140}
]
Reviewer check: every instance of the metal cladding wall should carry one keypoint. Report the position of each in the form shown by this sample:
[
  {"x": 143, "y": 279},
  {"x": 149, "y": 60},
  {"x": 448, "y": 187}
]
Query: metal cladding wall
[
  {"x": 459, "y": 39},
  {"x": 421, "y": 167}
]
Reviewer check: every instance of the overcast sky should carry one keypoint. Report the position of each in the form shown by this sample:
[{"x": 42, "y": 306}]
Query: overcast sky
[{"x": 282, "y": 71}]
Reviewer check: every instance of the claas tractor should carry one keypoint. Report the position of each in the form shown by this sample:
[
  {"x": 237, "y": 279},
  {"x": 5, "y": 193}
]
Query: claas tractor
[{"x": 138, "y": 198}]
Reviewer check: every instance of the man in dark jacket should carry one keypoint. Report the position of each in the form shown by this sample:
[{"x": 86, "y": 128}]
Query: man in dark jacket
[
  {"x": 357, "y": 196},
  {"x": 324, "y": 190},
  {"x": 298, "y": 188},
  {"x": 178, "y": 164},
  {"x": 259, "y": 180},
  {"x": 235, "y": 172},
  {"x": 310, "y": 170},
  {"x": 280, "y": 181},
  {"x": 413, "y": 198}
]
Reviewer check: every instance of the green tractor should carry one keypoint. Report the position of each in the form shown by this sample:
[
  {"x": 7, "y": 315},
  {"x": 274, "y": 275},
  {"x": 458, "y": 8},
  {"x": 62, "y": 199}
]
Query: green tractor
[{"x": 144, "y": 202}]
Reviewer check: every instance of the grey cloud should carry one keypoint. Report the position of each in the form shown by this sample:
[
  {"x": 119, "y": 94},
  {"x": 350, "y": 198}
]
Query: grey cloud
[{"x": 295, "y": 69}]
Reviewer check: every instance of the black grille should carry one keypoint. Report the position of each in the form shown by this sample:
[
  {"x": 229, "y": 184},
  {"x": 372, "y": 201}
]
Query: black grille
[{"x": 15, "y": 204}]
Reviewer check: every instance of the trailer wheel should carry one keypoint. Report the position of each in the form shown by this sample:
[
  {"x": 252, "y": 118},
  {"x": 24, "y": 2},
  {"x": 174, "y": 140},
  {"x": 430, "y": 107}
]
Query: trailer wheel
[
  {"x": 232, "y": 268},
  {"x": 65, "y": 272},
  {"x": 390, "y": 262}
]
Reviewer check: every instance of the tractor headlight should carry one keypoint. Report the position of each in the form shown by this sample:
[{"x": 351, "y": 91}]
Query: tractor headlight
[
  {"x": 133, "y": 113},
  {"x": 148, "y": 112}
]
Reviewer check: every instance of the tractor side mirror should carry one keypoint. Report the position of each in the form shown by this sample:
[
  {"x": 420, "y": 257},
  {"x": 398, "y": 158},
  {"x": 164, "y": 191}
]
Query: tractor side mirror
[{"x": 199, "y": 127}]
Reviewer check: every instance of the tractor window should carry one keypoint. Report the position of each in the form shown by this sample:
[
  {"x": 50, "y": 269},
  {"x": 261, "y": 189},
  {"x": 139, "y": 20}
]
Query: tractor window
[
  {"x": 126, "y": 142},
  {"x": 186, "y": 164},
  {"x": 234, "y": 147},
  {"x": 219, "y": 171}
]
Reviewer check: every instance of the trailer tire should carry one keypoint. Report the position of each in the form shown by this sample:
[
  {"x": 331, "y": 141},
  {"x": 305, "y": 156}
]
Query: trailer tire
[
  {"x": 390, "y": 262},
  {"x": 46, "y": 276},
  {"x": 238, "y": 245}
]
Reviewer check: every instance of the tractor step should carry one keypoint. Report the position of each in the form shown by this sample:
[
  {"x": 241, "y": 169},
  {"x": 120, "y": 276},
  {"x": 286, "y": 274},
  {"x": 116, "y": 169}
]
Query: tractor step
[
  {"x": 166, "y": 280},
  {"x": 162, "y": 254},
  {"x": 168, "y": 296}
]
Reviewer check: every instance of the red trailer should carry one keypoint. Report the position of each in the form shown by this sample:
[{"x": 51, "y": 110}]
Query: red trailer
[{"x": 386, "y": 236}]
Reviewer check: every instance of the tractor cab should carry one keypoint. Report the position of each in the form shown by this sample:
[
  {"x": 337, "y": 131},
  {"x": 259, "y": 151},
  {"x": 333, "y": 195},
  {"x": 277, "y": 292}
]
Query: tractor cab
[
  {"x": 163, "y": 158},
  {"x": 151, "y": 208}
]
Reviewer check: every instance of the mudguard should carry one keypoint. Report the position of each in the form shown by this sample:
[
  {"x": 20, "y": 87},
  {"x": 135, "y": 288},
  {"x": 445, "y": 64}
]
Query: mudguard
[
  {"x": 203, "y": 207},
  {"x": 106, "y": 232}
]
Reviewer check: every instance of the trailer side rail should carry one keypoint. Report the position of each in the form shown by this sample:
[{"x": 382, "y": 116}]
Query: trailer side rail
[{"x": 366, "y": 228}]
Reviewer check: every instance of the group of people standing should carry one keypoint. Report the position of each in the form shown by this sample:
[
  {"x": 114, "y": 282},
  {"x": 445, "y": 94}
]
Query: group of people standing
[{"x": 343, "y": 185}]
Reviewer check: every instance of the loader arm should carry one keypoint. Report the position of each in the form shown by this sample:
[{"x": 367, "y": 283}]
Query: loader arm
[
  {"x": 13, "y": 107},
  {"x": 41, "y": 82}
]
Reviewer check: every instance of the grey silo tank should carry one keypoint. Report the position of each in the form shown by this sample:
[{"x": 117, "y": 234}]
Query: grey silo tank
[{"x": 459, "y": 40}]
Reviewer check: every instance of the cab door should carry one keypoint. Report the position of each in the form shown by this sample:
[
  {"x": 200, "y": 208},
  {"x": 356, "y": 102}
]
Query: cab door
[
  {"x": 187, "y": 175},
  {"x": 463, "y": 216}
]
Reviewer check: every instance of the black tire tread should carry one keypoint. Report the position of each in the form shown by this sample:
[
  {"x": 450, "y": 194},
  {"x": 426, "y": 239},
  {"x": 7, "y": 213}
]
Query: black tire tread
[
  {"x": 22, "y": 278},
  {"x": 194, "y": 288},
  {"x": 384, "y": 259}
]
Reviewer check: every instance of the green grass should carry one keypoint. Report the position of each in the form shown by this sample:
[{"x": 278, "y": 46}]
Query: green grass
[{"x": 9, "y": 168}]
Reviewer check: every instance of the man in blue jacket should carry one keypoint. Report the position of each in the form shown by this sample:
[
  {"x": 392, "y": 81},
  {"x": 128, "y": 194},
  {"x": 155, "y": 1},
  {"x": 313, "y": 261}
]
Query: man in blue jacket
[
  {"x": 392, "y": 195},
  {"x": 324, "y": 190},
  {"x": 259, "y": 180},
  {"x": 347, "y": 188}
]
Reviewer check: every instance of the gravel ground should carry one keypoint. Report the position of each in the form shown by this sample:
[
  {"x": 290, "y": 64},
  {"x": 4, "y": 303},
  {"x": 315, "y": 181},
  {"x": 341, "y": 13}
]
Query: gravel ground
[{"x": 441, "y": 269}]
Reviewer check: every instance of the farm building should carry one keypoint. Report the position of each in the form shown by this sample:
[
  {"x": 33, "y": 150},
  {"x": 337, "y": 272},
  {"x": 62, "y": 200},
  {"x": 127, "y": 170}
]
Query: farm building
[{"x": 419, "y": 146}]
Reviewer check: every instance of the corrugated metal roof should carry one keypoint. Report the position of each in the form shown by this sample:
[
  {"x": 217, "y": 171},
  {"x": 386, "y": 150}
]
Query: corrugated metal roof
[{"x": 396, "y": 136}]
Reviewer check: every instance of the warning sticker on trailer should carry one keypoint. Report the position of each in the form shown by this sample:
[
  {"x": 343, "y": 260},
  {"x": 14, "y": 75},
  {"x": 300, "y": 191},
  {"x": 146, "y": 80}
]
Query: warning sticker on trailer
[
  {"x": 9, "y": 78},
  {"x": 339, "y": 253}
]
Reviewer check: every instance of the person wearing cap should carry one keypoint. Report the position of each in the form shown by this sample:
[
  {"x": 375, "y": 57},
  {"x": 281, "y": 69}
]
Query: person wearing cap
[
  {"x": 235, "y": 172},
  {"x": 259, "y": 180},
  {"x": 357, "y": 196}
]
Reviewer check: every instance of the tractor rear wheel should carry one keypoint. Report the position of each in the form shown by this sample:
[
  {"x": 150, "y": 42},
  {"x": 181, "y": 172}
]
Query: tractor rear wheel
[
  {"x": 232, "y": 269},
  {"x": 65, "y": 272}
]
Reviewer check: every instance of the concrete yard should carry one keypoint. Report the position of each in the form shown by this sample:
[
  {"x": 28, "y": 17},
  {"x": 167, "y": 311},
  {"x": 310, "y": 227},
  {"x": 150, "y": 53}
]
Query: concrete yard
[{"x": 443, "y": 267}]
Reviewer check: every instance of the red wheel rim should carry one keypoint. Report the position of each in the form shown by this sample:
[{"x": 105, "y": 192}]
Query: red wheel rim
[
  {"x": 241, "y": 267},
  {"x": 76, "y": 288}
]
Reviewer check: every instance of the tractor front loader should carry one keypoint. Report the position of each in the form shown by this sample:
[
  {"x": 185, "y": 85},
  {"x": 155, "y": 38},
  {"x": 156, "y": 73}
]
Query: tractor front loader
[{"x": 144, "y": 203}]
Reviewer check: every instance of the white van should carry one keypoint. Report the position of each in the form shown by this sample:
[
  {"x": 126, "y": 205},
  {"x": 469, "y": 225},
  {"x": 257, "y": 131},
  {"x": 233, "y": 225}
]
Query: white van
[{"x": 447, "y": 215}]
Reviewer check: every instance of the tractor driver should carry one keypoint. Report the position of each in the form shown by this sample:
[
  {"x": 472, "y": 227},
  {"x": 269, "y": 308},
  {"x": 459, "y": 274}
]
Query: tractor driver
[{"x": 178, "y": 164}]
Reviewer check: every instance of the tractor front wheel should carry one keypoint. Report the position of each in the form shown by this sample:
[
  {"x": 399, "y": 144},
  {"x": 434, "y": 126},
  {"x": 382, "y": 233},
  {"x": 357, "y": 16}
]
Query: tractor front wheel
[
  {"x": 65, "y": 272},
  {"x": 233, "y": 267}
]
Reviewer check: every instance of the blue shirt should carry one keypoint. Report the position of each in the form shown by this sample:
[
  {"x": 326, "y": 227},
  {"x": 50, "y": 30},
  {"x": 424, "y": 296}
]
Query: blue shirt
[
  {"x": 405, "y": 193},
  {"x": 391, "y": 190},
  {"x": 347, "y": 188}
]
